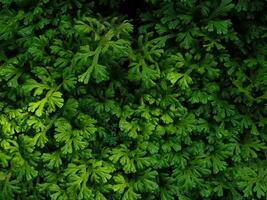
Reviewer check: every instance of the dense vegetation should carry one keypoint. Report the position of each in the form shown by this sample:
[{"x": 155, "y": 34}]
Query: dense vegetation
[{"x": 120, "y": 99}]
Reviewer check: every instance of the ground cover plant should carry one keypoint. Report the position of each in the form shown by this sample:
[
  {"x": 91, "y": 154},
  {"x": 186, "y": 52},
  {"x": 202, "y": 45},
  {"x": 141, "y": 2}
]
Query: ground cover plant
[{"x": 128, "y": 100}]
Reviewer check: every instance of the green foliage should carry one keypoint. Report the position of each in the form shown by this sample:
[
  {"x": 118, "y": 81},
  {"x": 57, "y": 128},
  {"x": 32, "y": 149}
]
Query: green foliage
[{"x": 125, "y": 101}]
